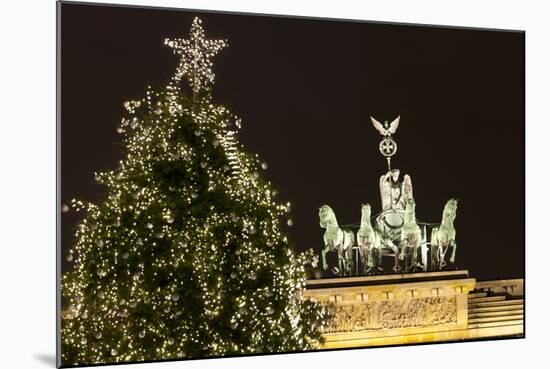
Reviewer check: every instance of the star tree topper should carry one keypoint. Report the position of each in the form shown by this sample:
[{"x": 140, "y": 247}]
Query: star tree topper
[{"x": 196, "y": 54}]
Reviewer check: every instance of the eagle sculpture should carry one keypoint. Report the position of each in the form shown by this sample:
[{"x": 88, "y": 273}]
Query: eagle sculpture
[{"x": 386, "y": 129}]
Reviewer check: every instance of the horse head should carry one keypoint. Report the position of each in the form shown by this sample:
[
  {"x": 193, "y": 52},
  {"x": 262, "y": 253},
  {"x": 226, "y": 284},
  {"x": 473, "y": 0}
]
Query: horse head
[
  {"x": 366, "y": 212},
  {"x": 449, "y": 212},
  {"x": 326, "y": 216}
]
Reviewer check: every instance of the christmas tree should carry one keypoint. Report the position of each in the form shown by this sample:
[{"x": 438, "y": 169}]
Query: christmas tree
[{"x": 185, "y": 257}]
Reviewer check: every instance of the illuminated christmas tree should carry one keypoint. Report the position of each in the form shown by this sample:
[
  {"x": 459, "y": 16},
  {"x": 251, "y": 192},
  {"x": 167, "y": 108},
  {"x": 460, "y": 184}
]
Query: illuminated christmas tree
[{"x": 185, "y": 257}]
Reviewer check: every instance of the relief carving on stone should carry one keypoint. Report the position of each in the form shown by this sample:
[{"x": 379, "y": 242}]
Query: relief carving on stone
[{"x": 391, "y": 314}]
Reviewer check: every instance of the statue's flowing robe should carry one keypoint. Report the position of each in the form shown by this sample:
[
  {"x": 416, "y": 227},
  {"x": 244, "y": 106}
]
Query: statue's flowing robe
[{"x": 394, "y": 195}]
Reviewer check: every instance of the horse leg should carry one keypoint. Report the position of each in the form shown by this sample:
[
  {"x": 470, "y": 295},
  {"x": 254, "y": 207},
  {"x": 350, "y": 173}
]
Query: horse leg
[
  {"x": 349, "y": 259},
  {"x": 361, "y": 256},
  {"x": 442, "y": 262},
  {"x": 341, "y": 262},
  {"x": 410, "y": 258},
  {"x": 377, "y": 249},
  {"x": 453, "y": 245},
  {"x": 324, "y": 257},
  {"x": 364, "y": 258},
  {"x": 395, "y": 249},
  {"x": 361, "y": 251},
  {"x": 378, "y": 252},
  {"x": 433, "y": 249},
  {"x": 415, "y": 255},
  {"x": 370, "y": 262},
  {"x": 398, "y": 267},
  {"x": 440, "y": 257},
  {"x": 406, "y": 258},
  {"x": 352, "y": 260},
  {"x": 434, "y": 252}
]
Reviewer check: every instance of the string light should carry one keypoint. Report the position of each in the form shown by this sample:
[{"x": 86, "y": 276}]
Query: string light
[
  {"x": 196, "y": 54},
  {"x": 185, "y": 257}
]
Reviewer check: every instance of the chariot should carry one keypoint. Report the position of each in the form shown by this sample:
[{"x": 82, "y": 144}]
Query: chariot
[{"x": 413, "y": 245}]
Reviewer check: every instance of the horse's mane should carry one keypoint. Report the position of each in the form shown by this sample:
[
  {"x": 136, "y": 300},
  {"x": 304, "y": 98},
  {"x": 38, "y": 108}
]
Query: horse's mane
[
  {"x": 450, "y": 208},
  {"x": 329, "y": 213},
  {"x": 368, "y": 220}
]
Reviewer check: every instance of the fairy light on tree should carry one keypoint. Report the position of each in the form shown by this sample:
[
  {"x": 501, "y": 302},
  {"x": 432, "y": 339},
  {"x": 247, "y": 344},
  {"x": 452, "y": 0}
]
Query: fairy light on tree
[
  {"x": 196, "y": 57},
  {"x": 185, "y": 257}
]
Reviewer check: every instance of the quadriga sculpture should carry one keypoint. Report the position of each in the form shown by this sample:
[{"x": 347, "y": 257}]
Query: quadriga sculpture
[
  {"x": 369, "y": 242},
  {"x": 411, "y": 237},
  {"x": 443, "y": 236},
  {"x": 336, "y": 239}
]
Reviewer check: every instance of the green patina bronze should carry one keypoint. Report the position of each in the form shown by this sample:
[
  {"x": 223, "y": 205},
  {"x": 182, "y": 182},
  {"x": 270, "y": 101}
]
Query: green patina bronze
[
  {"x": 444, "y": 236},
  {"x": 395, "y": 231},
  {"x": 336, "y": 239}
]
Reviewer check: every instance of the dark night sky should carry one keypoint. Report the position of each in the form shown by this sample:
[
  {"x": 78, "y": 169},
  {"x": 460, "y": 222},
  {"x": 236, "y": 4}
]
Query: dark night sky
[{"x": 305, "y": 89}]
